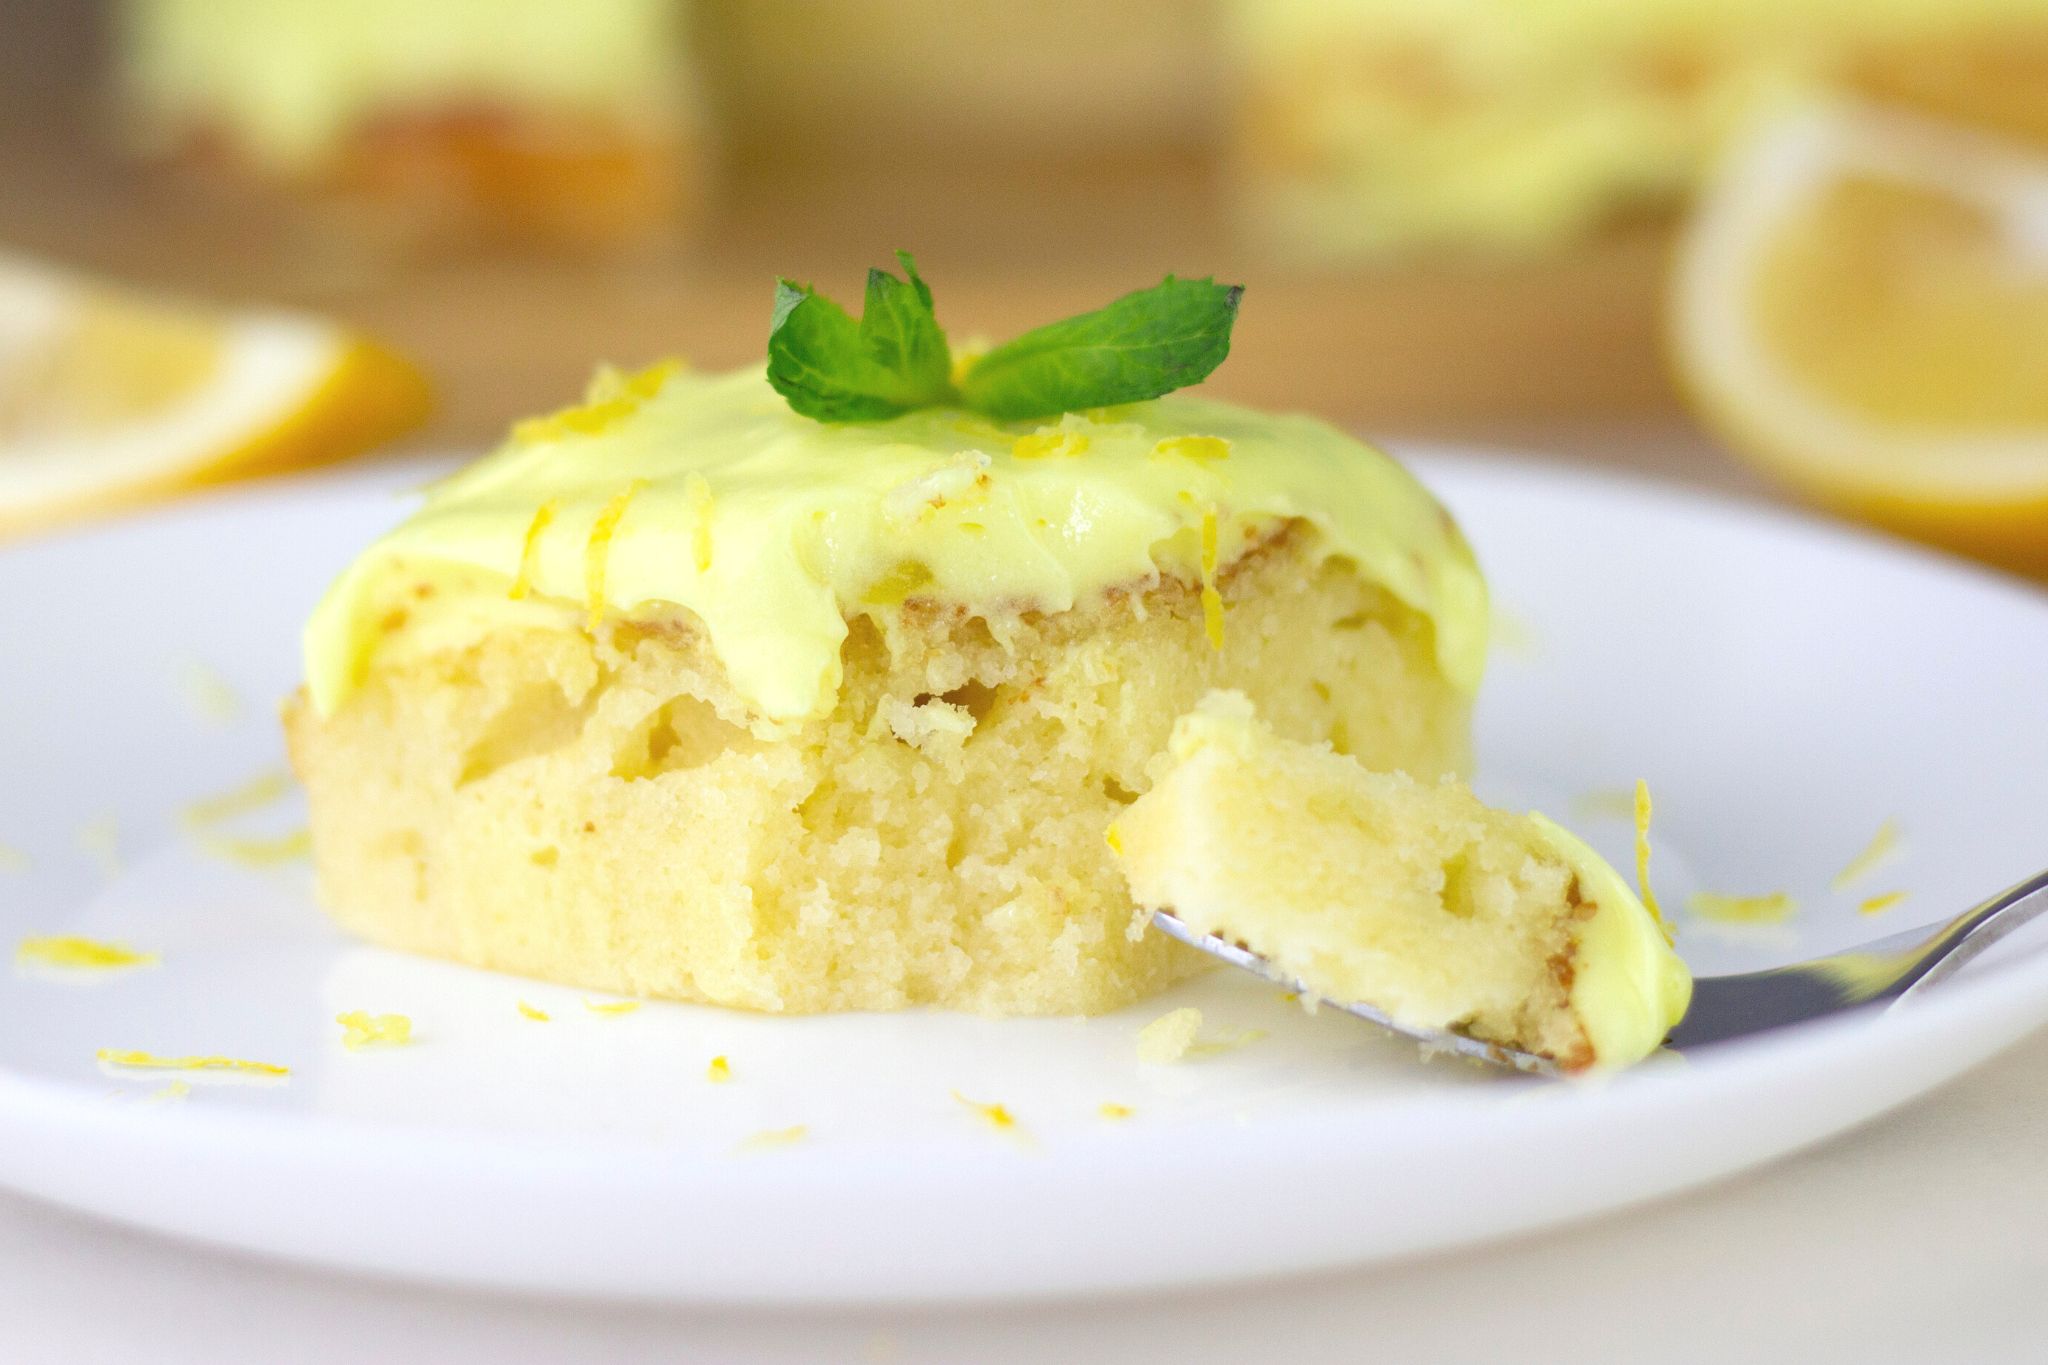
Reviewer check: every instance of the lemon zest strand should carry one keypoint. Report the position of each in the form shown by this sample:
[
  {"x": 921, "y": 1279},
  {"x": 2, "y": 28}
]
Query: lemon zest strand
[
  {"x": 150, "y": 1061},
  {"x": 1772, "y": 908},
  {"x": 285, "y": 848},
  {"x": 534, "y": 1012},
  {"x": 994, "y": 1115},
  {"x": 1881, "y": 846},
  {"x": 1877, "y": 905},
  {"x": 529, "y": 548},
  {"x": 361, "y": 1029},
  {"x": 71, "y": 952},
  {"x": 1116, "y": 1113},
  {"x": 719, "y": 1072},
  {"x": 1212, "y": 601},
  {"x": 264, "y": 789},
  {"x": 597, "y": 552},
  {"x": 1201, "y": 449},
  {"x": 697, "y": 492},
  {"x": 611, "y": 1007},
  {"x": 1642, "y": 814},
  {"x": 775, "y": 1137}
]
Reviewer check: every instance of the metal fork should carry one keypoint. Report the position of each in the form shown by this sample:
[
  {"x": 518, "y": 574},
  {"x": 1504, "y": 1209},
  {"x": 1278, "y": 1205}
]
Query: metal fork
[{"x": 1883, "y": 972}]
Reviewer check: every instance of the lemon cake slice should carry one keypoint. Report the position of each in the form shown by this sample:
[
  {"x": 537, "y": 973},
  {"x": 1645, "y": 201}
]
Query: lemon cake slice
[
  {"x": 1400, "y": 891},
  {"x": 687, "y": 694}
]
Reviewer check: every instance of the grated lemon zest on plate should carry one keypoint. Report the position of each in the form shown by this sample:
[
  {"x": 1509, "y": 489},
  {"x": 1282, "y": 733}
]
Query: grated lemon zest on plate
[
  {"x": 172, "y": 1093},
  {"x": 71, "y": 952},
  {"x": 1212, "y": 600},
  {"x": 611, "y": 1007},
  {"x": 1642, "y": 815},
  {"x": 1167, "y": 1039},
  {"x": 210, "y": 695},
  {"x": 12, "y": 859},
  {"x": 533, "y": 1012},
  {"x": 264, "y": 789},
  {"x": 1048, "y": 444},
  {"x": 775, "y": 1137},
  {"x": 1882, "y": 845},
  {"x": 1877, "y": 905},
  {"x": 697, "y": 491},
  {"x": 597, "y": 552},
  {"x": 994, "y": 1115},
  {"x": 1201, "y": 449},
  {"x": 1772, "y": 908},
  {"x": 361, "y": 1029},
  {"x": 129, "y": 1060},
  {"x": 101, "y": 841},
  {"x": 529, "y": 549},
  {"x": 259, "y": 852},
  {"x": 1116, "y": 1113},
  {"x": 719, "y": 1072}
]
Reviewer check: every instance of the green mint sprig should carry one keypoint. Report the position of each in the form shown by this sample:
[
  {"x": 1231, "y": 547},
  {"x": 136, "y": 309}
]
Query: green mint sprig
[{"x": 895, "y": 359}]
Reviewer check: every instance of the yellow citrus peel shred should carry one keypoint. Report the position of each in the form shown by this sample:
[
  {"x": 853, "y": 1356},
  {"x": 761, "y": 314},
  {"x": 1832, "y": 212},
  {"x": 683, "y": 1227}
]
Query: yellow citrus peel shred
[
  {"x": 697, "y": 490},
  {"x": 529, "y": 548},
  {"x": 1116, "y": 1113},
  {"x": 719, "y": 1072},
  {"x": 533, "y": 1012},
  {"x": 149, "y": 1061},
  {"x": 775, "y": 1137},
  {"x": 1040, "y": 445},
  {"x": 994, "y": 1115},
  {"x": 611, "y": 397},
  {"x": 598, "y": 552},
  {"x": 1877, "y": 905},
  {"x": 1882, "y": 845},
  {"x": 611, "y": 1007},
  {"x": 361, "y": 1029},
  {"x": 1202, "y": 449},
  {"x": 71, "y": 952},
  {"x": 1772, "y": 908},
  {"x": 264, "y": 789},
  {"x": 285, "y": 848},
  {"x": 1642, "y": 814}
]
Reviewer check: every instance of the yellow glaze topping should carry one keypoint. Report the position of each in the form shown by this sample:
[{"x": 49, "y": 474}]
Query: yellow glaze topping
[
  {"x": 1629, "y": 988},
  {"x": 708, "y": 493}
]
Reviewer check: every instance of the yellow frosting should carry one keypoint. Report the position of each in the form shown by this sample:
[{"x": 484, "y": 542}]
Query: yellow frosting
[
  {"x": 1629, "y": 988},
  {"x": 708, "y": 493}
]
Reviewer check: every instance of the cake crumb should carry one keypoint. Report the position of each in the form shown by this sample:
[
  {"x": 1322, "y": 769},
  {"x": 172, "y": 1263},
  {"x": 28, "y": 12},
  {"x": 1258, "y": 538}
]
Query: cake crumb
[
  {"x": 534, "y": 1012},
  {"x": 720, "y": 1070},
  {"x": 211, "y": 697},
  {"x": 775, "y": 1137},
  {"x": 1877, "y": 905},
  {"x": 129, "y": 1060},
  {"x": 1115, "y": 1113},
  {"x": 361, "y": 1029},
  {"x": 71, "y": 953},
  {"x": 1167, "y": 1039},
  {"x": 1773, "y": 908},
  {"x": 1881, "y": 847},
  {"x": 611, "y": 1008}
]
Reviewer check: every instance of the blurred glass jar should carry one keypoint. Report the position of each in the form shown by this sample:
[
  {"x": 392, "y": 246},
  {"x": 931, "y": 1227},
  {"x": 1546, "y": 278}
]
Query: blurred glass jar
[{"x": 569, "y": 124}]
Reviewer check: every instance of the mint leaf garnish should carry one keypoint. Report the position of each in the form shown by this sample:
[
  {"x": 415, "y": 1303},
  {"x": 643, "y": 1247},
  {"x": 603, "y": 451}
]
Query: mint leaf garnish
[
  {"x": 837, "y": 370},
  {"x": 1145, "y": 344},
  {"x": 895, "y": 359}
]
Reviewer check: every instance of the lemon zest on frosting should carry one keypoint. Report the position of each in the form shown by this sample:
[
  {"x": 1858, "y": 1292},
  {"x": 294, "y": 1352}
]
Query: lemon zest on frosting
[
  {"x": 697, "y": 491},
  {"x": 534, "y": 1012},
  {"x": 70, "y": 952},
  {"x": 611, "y": 1008},
  {"x": 597, "y": 552},
  {"x": 529, "y": 548},
  {"x": 611, "y": 397},
  {"x": 1212, "y": 600},
  {"x": 128, "y": 1060},
  {"x": 719, "y": 1072},
  {"x": 1649, "y": 897},
  {"x": 262, "y": 790},
  {"x": 1882, "y": 846},
  {"x": 361, "y": 1029},
  {"x": 1771, "y": 908},
  {"x": 1878, "y": 904},
  {"x": 1049, "y": 443},
  {"x": 1198, "y": 448}
]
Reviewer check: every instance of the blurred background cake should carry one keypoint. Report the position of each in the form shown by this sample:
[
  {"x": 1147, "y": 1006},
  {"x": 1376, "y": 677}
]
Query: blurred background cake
[{"x": 1467, "y": 219}]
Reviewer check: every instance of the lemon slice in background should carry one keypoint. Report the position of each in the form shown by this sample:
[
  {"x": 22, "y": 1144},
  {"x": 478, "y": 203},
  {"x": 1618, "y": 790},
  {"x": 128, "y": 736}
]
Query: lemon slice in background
[
  {"x": 108, "y": 398},
  {"x": 1861, "y": 308}
]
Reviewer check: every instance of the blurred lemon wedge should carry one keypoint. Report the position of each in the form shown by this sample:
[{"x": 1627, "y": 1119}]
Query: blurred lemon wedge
[
  {"x": 1861, "y": 308},
  {"x": 109, "y": 399}
]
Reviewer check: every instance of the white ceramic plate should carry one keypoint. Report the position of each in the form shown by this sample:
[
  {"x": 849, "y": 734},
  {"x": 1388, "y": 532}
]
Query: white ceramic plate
[{"x": 1784, "y": 686}]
